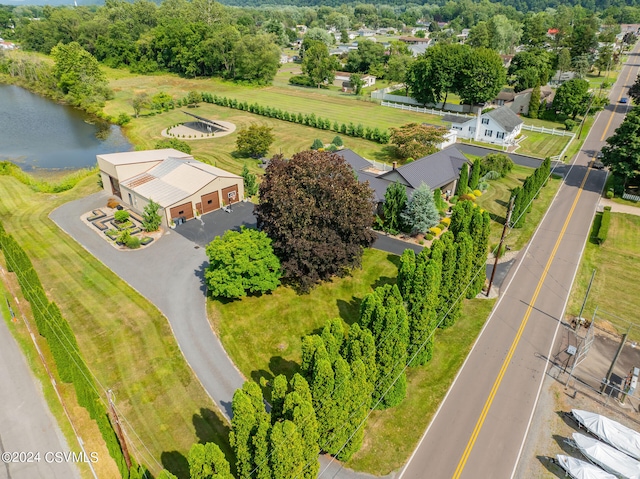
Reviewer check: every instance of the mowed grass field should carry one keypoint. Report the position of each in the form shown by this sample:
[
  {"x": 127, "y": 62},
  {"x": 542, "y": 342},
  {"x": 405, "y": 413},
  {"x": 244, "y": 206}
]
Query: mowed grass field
[
  {"x": 496, "y": 201},
  {"x": 125, "y": 340},
  {"x": 326, "y": 104},
  {"x": 617, "y": 265},
  {"x": 263, "y": 337},
  {"x": 290, "y": 138},
  {"x": 541, "y": 145}
]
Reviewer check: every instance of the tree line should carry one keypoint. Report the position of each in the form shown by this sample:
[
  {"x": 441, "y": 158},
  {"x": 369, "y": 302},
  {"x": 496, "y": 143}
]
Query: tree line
[
  {"x": 70, "y": 364},
  {"x": 524, "y": 195}
]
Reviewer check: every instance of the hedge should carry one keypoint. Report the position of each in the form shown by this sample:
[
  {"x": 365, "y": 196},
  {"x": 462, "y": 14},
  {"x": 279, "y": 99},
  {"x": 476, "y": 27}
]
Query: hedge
[
  {"x": 358, "y": 131},
  {"x": 62, "y": 343},
  {"x": 604, "y": 225}
]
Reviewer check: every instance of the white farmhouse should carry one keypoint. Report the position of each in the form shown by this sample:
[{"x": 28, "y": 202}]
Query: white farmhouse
[{"x": 500, "y": 126}]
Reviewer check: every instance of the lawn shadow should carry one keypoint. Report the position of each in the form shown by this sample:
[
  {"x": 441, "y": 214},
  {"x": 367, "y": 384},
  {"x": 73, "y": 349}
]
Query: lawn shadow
[
  {"x": 175, "y": 463},
  {"x": 208, "y": 426},
  {"x": 261, "y": 375},
  {"x": 349, "y": 310},
  {"x": 395, "y": 259},
  {"x": 551, "y": 466},
  {"x": 385, "y": 153},
  {"x": 280, "y": 365}
]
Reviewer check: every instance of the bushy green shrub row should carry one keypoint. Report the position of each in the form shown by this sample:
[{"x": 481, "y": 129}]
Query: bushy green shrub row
[
  {"x": 10, "y": 169},
  {"x": 350, "y": 129},
  {"x": 62, "y": 343},
  {"x": 604, "y": 225},
  {"x": 523, "y": 196}
]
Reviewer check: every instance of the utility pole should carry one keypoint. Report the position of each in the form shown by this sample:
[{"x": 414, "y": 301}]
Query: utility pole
[
  {"x": 605, "y": 383},
  {"x": 118, "y": 429},
  {"x": 504, "y": 232},
  {"x": 586, "y": 295},
  {"x": 584, "y": 118}
]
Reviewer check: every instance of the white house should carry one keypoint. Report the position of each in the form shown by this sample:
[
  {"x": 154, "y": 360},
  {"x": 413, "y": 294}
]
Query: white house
[
  {"x": 500, "y": 126},
  {"x": 369, "y": 80}
]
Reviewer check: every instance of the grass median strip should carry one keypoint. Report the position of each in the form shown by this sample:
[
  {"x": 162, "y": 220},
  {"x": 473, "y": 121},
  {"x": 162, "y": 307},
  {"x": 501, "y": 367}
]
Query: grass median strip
[{"x": 126, "y": 341}]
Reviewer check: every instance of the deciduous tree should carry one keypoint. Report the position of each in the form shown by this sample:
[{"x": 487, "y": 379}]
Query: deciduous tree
[
  {"x": 572, "y": 97},
  {"x": 415, "y": 141},
  {"x": 255, "y": 140},
  {"x": 622, "y": 152},
  {"x": 240, "y": 263},
  {"x": 317, "y": 214},
  {"x": 250, "y": 181},
  {"x": 318, "y": 65},
  {"x": 151, "y": 219}
]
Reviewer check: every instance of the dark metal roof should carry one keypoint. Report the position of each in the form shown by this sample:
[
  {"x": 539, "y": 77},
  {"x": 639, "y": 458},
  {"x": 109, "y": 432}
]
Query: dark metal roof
[
  {"x": 505, "y": 117},
  {"x": 206, "y": 121},
  {"x": 356, "y": 161},
  {"x": 434, "y": 170},
  {"x": 453, "y": 118}
]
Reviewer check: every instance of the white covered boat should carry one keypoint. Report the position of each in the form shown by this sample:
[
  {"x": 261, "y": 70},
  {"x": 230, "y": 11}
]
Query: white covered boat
[
  {"x": 612, "y": 432},
  {"x": 607, "y": 457},
  {"x": 578, "y": 469}
]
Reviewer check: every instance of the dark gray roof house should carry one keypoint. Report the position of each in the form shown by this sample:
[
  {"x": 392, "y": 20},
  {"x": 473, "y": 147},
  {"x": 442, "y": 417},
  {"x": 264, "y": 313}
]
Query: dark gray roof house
[
  {"x": 440, "y": 170},
  {"x": 505, "y": 117}
]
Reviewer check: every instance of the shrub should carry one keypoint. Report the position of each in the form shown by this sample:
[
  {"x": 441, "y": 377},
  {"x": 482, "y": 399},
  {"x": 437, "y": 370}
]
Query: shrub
[
  {"x": 483, "y": 186},
  {"x": 490, "y": 175},
  {"x": 569, "y": 124},
  {"x": 604, "y": 225},
  {"x": 332, "y": 147},
  {"x": 610, "y": 193},
  {"x": 317, "y": 144},
  {"x": 477, "y": 193},
  {"x": 121, "y": 216},
  {"x": 429, "y": 236},
  {"x": 468, "y": 196},
  {"x": 124, "y": 236},
  {"x": 496, "y": 162},
  {"x": 446, "y": 221},
  {"x": 123, "y": 119},
  {"x": 133, "y": 242},
  {"x": 453, "y": 200},
  {"x": 442, "y": 226},
  {"x": 112, "y": 203},
  {"x": 435, "y": 230},
  {"x": 337, "y": 140}
]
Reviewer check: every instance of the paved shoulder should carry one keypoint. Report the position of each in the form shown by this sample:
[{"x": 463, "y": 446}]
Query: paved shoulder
[{"x": 26, "y": 424}]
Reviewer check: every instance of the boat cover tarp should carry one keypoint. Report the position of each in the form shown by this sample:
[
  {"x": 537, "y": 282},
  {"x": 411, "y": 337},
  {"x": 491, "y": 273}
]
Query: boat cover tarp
[
  {"x": 607, "y": 457},
  {"x": 612, "y": 432},
  {"x": 579, "y": 469}
]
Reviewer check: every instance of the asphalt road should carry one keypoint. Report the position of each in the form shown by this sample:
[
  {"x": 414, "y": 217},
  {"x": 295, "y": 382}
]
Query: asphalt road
[
  {"x": 480, "y": 428},
  {"x": 170, "y": 274},
  {"x": 26, "y": 425}
]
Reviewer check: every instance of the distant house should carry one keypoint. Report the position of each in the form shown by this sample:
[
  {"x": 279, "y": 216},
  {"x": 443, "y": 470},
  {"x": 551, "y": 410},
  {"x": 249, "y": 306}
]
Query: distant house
[
  {"x": 506, "y": 60},
  {"x": 519, "y": 102},
  {"x": 340, "y": 77},
  {"x": 419, "y": 49},
  {"x": 414, "y": 40},
  {"x": 440, "y": 170},
  {"x": 285, "y": 59},
  {"x": 559, "y": 78},
  {"x": 499, "y": 126},
  {"x": 366, "y": 32},
  {"x": 7, "y": 45}
]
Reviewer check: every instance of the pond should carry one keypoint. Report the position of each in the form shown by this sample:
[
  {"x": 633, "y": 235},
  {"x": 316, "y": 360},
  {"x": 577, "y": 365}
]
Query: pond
[{"x": 36, "y": 133}]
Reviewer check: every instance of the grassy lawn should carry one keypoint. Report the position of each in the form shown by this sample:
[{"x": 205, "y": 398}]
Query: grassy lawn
[
  {"x": 263, "y": 336},
  {"x": 496, "y": 199},
  {"x": 617, "y": 264},
  {"x": 291, "y": 138},
  {"x": 343, "y": 108},
  {"x": 125, "y": 340},
  {"x": 541, "y": 145}
]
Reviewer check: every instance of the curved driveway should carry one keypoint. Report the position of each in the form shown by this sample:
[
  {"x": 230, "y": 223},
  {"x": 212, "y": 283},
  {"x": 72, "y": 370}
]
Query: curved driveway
[{"x": 170, "y": 274}]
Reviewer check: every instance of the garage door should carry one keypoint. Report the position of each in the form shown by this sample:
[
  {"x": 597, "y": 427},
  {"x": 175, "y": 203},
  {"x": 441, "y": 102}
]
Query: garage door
[
  {"x": 230, "y": 195},
  {"x": 210, "y": 202},
  {"x": 185, "y": 209}
]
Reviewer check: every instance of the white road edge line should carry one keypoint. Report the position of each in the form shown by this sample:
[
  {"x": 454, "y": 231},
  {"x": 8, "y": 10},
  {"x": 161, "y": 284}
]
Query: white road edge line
[
  {"x": 502, "y": 295},
  {"x": 575, "y": 273}
]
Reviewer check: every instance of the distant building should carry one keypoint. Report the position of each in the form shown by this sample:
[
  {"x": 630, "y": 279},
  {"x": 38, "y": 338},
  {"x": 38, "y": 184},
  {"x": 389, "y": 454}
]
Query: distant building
[
  {"x": 500, "y": 126},
  {"x": 519, "y": 102},
  {"x": 340, "y": 77},
  {"x": 414, "y": 40},
  {"x": 285, "y": 59}
]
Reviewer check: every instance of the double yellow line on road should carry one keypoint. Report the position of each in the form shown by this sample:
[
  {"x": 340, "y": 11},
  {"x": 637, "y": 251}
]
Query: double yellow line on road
[{"x": 514, "y": 345}]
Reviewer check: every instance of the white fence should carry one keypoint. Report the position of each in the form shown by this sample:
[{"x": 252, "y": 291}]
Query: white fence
[
  {"x": 418, "y": 109},
  {"x": 627, "y": 196},
  {"x": 549, "y": 131}
]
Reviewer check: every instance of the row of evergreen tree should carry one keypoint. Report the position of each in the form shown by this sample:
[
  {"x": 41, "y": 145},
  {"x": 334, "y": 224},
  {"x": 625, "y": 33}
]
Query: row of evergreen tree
[
  {"x": 344, "y": 375},
  {"x": 524, "y": 195},
  {"x": 64, "y": 347},
  {"x": 350, "y": 129}
]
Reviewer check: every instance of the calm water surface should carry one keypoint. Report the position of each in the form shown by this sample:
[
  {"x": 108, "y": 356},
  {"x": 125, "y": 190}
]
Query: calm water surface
[{"x": 38, "y": 133}]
